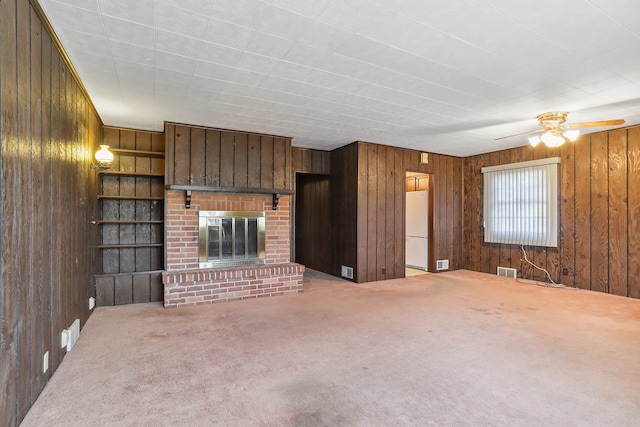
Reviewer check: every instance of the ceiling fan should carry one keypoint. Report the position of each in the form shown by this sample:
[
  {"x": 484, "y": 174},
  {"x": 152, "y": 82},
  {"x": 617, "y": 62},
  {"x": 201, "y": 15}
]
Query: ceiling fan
[{"x": 555, "y": 132}]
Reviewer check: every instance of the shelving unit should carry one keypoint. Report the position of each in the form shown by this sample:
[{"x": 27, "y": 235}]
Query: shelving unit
[
  {"x": 158, "y": 154},
  {"x": 131, "y": 173},
  {"x": 131, "y": 248},
  {"x": 136, "y": 245},
  {"x": 118, "y": 221},
  {"x": 107, "y": 196}
]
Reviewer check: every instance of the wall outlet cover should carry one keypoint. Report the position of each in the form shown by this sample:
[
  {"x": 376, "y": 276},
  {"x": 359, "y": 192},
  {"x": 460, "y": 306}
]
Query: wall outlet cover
[
  {"x": 74, "y": 334},
  {"x": 64, "y": 338}
]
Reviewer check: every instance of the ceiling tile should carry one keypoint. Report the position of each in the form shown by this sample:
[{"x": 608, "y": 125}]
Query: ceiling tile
[
  {"x": 129, "y": 32},
  {"x": 167, "y": 77},
  {"x": 348, "y": 14},
  {"x": 177, "y": 44},
  {"x": 443, "y": 76},
  {"x": 88, "y": 43},
  {"x": 202, "y": 7},
  {"x": 219, "y": 54},
  {"x": 333, "y": 81},
  {"x": 308, "y": 56},
  {"x": 269, "y": 45},
  {"x": 91, "y": 5},
  {"x": 323, "y": 36},
  {"x": 77, "y": 19},
  {"x": 311, "y": 9},
  {"x": 139, "y": 11},
  {"x": 228, "y": 74},
  {"x": 127, "y": 69},
  {"x": 227, "y": 33},
  {"x": 132, "y": 53},
  {"x": 290, "y": 70},
  {"x": 89, "y": 62},
  {"x": 173, "y": 62},
  {"x": 258, "y": 63},
  {"x": 619, "y": 11},
  {"x": 180, "y": 21},
  {"x": 283, "y": 23},
  {"x": 242, "y": 12}
]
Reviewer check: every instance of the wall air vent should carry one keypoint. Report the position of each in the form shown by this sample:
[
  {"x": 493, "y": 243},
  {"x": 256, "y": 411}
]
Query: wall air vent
[
  {"x": 347, "y": 272},
  {"x": 442, "y": 264},
  {"x": 507, "y": 272}
]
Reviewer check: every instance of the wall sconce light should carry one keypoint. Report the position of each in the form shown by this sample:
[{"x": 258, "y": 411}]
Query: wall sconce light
[{"x": 104, "y": 158}]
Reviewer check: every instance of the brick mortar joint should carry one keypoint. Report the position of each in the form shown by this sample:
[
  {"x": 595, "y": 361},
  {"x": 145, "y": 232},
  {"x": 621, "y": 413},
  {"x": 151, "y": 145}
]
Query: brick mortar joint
[{"x": 291, "y": 268}]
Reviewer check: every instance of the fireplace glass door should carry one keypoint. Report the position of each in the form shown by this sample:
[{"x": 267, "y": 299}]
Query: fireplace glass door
[{"x": 231, "y": 238}]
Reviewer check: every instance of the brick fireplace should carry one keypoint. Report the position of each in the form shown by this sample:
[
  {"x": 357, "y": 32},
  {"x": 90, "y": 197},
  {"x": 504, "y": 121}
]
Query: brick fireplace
[{"x": 185, "y": 283}]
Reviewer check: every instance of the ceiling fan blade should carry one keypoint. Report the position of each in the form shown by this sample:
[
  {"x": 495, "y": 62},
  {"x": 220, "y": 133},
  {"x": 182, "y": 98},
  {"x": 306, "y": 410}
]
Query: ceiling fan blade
[
  {"x": 519, "y": 134},
  {"x": 596, "y": 124}
]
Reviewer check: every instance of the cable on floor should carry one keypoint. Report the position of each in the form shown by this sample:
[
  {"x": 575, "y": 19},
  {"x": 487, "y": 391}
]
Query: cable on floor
[{"x": 552, "y": 285}]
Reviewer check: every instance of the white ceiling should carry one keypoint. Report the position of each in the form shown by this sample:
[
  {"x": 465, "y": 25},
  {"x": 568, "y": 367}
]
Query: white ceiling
[{"x": 445, "y": 76}]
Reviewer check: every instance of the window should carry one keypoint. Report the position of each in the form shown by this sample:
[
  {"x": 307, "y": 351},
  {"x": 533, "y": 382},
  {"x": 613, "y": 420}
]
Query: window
[{"x": 521, "y": 203}]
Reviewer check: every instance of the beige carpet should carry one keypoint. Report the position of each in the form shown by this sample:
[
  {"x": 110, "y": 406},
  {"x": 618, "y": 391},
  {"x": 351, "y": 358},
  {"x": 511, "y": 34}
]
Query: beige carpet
[{"x": 455, "y": 349}]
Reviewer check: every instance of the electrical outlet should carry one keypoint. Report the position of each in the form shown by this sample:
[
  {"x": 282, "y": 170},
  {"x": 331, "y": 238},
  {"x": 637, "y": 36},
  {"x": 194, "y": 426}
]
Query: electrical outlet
[
  {"x": 45, "y": 362},
  {"x": 565, "y": 271},
  {"x": 384, "y": 270}
]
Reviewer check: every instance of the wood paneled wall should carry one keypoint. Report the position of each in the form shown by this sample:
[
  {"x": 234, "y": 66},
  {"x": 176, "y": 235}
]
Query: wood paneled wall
[
  {"x": 313, "y": 222},
  {"x": 316, "y": 203},
  {"x": 221, "y": 158},
  {"x": 368, "y": 184},
  {"x": 306, "y": 160},
  {"x": 48, "y": 129},
  {"x": 344, "y": 208},
  {"x": 599, "y": 218}
]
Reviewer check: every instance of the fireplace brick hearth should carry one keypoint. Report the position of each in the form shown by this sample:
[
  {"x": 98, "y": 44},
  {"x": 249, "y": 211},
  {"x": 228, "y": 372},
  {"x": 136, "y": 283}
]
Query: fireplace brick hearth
[{"x": 186, "y": 284}]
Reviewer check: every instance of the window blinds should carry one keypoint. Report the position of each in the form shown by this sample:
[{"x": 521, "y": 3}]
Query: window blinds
[{"x": 521, "y": 203}]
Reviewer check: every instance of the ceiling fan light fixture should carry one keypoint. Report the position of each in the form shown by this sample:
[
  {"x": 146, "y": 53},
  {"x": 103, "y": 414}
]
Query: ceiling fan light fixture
[
  {"x": 556, "y": 132},
  {"x": 572, "y": 134},
  {"x": 552, "y": 139},
  {"x": 534, "y": 140}
]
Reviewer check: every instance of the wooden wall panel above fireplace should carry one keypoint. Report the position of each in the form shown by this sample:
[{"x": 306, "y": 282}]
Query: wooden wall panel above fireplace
[{"x": 215, "y": 158}]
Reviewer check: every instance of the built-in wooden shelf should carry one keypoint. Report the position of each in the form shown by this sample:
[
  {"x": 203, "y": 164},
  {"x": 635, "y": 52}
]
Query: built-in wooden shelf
[
  {"x": 126, "y": 222},
  {"x": 133, "y": 174},
  {"x": 141, "y": 153},
  {"x": 275, "y": 192},
  {"x": 105, "y": 196},
  {"x": 132, "y": 245},
  {"x": 230, "y": 189},
  {"x": 116, "y": 283}
]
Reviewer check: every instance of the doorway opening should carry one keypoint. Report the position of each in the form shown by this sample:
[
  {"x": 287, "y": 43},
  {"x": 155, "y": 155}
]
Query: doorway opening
[
  {"x": 313, "y": 222},
  {"x": 418, "y": 223}
]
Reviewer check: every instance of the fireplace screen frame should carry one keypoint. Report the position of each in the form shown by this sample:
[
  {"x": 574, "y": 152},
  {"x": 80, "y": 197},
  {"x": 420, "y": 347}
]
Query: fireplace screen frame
[{"x": 205, "y": 218}]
